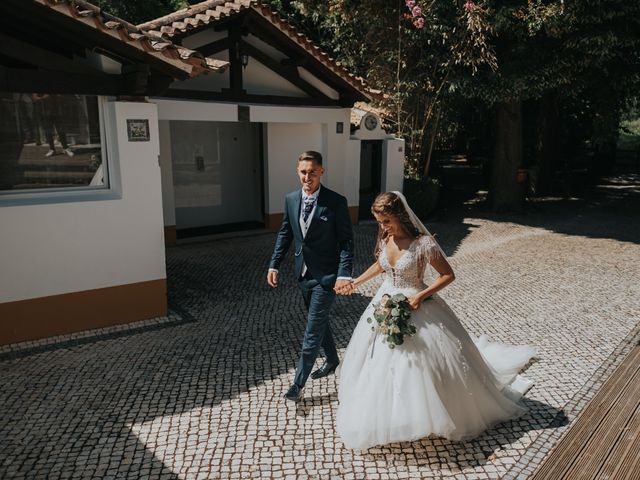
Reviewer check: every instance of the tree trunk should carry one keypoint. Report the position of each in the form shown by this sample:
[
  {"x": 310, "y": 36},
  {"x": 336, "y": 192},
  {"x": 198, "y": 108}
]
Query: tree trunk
[
  {"x": 506, "y": 193},
  {"x": 606, "y": 129},
  {"x": 432, "y": 141},
  {"x": 547, "y": 148}
]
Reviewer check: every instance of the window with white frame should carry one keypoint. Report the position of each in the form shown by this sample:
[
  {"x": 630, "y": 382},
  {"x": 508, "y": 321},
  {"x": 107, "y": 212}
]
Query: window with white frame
[{"x": 51, "y": 141}]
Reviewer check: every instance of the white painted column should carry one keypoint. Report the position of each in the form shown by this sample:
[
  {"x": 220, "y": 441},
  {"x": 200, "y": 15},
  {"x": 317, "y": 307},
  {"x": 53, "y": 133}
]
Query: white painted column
[
  {"x": 352, "y": 172},
  {"x": 393, "y": 164},
  {"x": 166, "y": 172}
]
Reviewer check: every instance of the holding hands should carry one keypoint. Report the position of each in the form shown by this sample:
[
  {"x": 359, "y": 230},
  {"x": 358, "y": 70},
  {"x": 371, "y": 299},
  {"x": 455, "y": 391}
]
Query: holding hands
[
  {"x": 345, "y": 287},
  {"x": 342, "y": 287}
]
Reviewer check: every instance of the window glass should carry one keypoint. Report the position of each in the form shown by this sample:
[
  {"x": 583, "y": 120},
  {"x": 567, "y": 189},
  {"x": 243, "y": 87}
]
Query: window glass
[{"x": 50, "y": 141}]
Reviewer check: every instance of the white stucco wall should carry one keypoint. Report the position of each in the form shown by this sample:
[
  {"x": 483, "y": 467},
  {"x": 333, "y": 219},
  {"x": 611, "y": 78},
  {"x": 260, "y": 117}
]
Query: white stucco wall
[
  {"x": 289, "y": 132},
  {"x": 393, "y": 164},
  {"x": 55, "y": 248},
  {"x": 267, "y": 113},
  {"x": 285, "y": 142},
  {"x": 392, "y": 153},
  {"x": 307, "y": 76},
  {"x": 363, "y": 133},
  {"x": 292, "y": 130},
  {"x": 194, "y": 111},
  {"x": 261, "y": 80},
  {"x": 352, "y": 172}
]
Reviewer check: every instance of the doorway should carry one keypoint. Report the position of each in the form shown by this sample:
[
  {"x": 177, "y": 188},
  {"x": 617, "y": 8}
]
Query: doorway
[
  {"x": 370, "y": 176},
  {"x": 217, "y": 176}
]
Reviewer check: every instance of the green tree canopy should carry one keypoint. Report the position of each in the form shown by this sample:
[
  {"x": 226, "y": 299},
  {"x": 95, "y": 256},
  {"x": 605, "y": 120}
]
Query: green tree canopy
[
  {"x": 141, "y": 11},
  {"x": 578, "y": 60}
]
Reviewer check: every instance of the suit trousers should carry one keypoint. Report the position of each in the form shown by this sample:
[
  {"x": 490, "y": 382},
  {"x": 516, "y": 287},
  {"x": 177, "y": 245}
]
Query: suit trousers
[{"x": 318, "y": 333}]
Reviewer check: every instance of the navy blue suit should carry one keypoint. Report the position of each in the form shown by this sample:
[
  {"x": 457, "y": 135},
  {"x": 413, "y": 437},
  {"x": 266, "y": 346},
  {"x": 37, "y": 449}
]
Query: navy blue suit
[{"x": 327, "y": 251}]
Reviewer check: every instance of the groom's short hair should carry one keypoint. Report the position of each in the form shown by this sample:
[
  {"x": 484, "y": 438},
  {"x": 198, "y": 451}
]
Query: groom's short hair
[{"x": 312, "y": 156}]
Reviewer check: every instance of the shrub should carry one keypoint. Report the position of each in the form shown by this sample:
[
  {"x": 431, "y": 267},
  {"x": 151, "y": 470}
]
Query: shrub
[{"x": 422, "y": 195}]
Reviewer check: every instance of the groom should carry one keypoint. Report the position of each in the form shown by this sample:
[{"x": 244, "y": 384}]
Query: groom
[{"x": 317, "y": 221}]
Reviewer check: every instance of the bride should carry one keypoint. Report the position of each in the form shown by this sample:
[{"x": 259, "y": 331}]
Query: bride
[{"x": 439, "y": 382}]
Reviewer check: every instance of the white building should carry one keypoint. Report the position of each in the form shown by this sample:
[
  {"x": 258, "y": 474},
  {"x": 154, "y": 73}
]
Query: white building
[
  {"x": 165, "y": 138},
  {"x": 230, "y": 142}
]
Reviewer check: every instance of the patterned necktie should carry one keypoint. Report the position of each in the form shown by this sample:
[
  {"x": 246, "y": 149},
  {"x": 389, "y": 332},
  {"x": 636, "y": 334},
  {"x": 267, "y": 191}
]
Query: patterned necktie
[{"x": 309, "y": 202}]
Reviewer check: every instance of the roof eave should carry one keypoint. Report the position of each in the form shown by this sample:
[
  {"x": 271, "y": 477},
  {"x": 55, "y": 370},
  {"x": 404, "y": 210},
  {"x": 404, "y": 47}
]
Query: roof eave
[
  {"x": 199, "y": 16},
  {"x": 131, "y": 42}
]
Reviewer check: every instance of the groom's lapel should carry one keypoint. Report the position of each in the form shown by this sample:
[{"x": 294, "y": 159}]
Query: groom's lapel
[{"x": 295, "y": 215}]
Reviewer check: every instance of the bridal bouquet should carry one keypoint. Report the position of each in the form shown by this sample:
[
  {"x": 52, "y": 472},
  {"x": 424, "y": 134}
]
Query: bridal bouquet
[{"x": 392, "y": 315}]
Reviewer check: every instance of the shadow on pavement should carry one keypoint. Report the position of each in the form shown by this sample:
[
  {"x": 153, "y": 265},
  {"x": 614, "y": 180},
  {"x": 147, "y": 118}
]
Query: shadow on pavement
[
  {"x": 442, "y": 454},
  {"x": 611, "y": 210},
  {"x": 74, "y": 410}
]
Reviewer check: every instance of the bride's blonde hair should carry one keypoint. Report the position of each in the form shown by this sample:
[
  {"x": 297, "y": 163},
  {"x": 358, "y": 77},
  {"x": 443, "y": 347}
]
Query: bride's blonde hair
[{"x": 389, "y": 204}]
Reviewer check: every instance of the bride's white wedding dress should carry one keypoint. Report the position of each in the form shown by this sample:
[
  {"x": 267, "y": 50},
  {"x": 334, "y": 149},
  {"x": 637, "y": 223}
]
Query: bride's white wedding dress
[{"x": 439, "y": 382}]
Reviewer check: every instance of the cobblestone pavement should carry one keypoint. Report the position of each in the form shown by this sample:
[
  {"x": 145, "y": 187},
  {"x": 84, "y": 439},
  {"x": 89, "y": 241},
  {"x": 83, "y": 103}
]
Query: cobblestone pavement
[{"x": 199, "y": 395}]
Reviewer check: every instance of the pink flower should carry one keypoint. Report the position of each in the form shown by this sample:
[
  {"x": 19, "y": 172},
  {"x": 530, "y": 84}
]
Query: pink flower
[
  {"x": 469, "y": 6},
  {"x": 419, "y": 23},
  {"x": 416, "y": 11},
  {"x": 410, "y": 4}
]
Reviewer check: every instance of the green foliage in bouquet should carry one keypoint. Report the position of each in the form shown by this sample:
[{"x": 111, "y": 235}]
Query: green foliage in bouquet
[{"x": 392, "y": 316}]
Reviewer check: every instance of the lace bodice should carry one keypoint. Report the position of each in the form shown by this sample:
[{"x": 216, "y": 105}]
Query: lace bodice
[{"x": 409, "y": 270}]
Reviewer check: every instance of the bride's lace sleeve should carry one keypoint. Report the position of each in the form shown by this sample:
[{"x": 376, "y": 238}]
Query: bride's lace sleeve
[{"x": 428, "y": 250}]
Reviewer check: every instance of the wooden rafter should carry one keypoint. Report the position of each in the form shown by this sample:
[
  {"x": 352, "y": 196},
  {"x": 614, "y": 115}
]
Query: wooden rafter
[
  {"x": 256, "y": 17},
  {"x": 278, "y": 39},
  {"x": 235, "y": 64},
  {"x": 40, "y": 57},
  {"x": 214, "y": 47},
  {"x": 136, "y": 81},
  {"x": 290, "y": 74},
  {"x": 229, "y": 96}
]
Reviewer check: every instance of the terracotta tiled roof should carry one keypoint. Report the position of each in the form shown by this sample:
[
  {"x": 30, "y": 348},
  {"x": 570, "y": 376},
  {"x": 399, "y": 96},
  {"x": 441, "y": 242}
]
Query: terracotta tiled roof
[
  {"x": 189, "y": 61},
  {"x": 360, "y": 109},
  {"x": 209, "y": 12}
]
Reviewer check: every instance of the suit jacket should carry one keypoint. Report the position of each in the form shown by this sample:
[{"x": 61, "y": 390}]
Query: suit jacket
[{"x": 327, "y": 248}]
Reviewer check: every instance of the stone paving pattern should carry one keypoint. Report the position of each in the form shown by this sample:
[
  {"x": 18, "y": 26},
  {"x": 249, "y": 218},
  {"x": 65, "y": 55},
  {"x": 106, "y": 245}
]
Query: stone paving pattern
[{"x": 200, "y": 396}]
